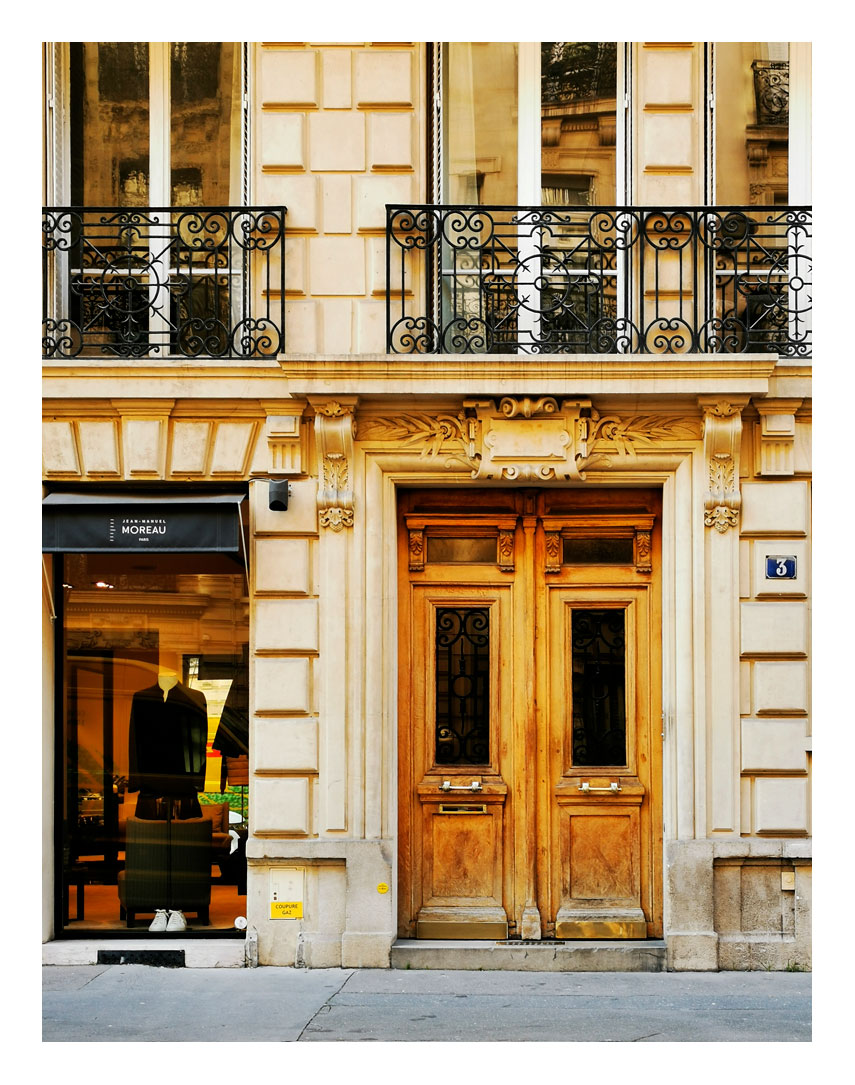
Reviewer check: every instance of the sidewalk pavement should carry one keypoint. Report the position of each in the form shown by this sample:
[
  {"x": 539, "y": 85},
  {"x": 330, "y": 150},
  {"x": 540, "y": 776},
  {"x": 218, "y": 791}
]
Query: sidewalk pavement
[{"x": 96, "y": 1003}]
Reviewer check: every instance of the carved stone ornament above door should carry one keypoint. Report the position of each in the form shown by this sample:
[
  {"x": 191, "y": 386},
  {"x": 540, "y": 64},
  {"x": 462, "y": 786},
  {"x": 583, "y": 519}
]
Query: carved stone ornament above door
[
  {"x": 525, "y": 439},
  {"x": 528, "y": 439}
]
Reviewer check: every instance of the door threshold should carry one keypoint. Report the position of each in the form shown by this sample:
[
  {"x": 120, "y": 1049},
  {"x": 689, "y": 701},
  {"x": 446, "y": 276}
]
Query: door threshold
[{"x": 548, "y": 955}]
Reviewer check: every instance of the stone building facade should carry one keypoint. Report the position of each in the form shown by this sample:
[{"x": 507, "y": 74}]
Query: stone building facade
[{"x": 510, "y": 464}]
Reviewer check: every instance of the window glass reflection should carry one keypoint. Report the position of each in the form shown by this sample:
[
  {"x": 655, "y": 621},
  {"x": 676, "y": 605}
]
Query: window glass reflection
[
  {"x": 578, "y": 105},
  {"x": 752, "y": 81}
]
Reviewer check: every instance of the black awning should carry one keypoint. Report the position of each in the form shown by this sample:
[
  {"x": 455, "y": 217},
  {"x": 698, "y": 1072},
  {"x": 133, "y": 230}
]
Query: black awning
[{"x": 128, "y": 523}]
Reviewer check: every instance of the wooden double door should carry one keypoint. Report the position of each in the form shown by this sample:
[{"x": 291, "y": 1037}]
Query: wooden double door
[{"x": 529, "y": 714}]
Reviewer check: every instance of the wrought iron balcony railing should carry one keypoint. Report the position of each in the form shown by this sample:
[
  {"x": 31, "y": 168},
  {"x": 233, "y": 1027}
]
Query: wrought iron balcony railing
[
  {"x": 605, "y": 280},
  {"x": 184, "y": 282}
]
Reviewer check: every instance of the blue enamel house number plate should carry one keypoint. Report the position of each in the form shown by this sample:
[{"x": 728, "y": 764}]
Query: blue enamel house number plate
[{"x": 780, "y": 568}]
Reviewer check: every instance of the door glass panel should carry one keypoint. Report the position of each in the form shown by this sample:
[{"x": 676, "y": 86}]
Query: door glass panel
[
  {"x": 470, "y": 551},
  {"x": 599, "y": 687},
  {"x": 462, "y": 685},
  {"x": 598, "y": 552}
]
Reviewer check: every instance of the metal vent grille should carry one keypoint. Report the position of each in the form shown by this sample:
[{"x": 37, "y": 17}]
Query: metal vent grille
[
  {"x": 530, "y": 942},
  {"x": 159, "y": 958}
]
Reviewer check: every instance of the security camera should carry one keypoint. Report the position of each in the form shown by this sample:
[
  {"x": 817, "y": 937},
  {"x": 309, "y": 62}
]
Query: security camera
[{"x": 277, "y": 498}]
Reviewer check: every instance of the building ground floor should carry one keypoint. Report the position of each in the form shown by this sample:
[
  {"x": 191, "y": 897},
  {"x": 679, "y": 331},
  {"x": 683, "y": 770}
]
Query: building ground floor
[{"x": 360, "y": 658}]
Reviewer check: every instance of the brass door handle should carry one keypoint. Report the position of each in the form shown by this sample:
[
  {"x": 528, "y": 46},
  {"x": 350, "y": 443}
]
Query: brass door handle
[
  {"x": 447, "y": 785},
  {"x": 586, "y": 788}
]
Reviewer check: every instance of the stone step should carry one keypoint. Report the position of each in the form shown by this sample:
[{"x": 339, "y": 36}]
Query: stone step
[{"x": 523, "y": 956}]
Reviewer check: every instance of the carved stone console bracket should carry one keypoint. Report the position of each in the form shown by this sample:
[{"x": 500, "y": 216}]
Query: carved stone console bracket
[
  {"x": 722, "y": 434},
  {"x": 334, "y": 433}
]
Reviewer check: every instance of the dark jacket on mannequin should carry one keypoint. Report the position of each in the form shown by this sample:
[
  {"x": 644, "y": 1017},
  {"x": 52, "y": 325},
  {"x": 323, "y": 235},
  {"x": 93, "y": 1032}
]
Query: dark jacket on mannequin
[{"x": 166, "y": 741}]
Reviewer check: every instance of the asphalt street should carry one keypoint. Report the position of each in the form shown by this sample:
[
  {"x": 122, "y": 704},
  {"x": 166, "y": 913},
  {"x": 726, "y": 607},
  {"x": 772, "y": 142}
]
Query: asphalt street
[{"x": 110, "y": 1003}]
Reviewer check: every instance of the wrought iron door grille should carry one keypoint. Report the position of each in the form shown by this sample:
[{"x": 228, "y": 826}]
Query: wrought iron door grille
[
  {"x": 462, "y": 685},
  {"x": 168, "y": 281},
  {"x": 607, "y": 280}
]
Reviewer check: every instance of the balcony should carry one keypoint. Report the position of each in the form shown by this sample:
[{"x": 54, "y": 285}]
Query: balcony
[
  {"x": 163, "y": 282},
  {"x": 605, "y": 280}
]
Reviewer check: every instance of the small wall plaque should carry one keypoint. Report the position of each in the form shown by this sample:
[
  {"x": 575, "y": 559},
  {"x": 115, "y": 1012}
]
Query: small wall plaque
[
  {"x": 286, "y": 893},
  {"x": 780, "y": 567}
]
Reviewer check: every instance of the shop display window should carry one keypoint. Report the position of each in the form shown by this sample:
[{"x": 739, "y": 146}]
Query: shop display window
[{"x": 153, "y": 796}]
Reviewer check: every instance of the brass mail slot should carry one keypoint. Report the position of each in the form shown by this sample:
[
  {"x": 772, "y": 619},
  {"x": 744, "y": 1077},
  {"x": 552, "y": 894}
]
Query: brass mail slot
[{"x": 462, "y": 808}]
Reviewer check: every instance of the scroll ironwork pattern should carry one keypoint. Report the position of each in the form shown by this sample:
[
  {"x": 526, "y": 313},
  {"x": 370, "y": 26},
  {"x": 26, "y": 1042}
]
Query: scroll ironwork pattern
[
  {"x": 608, "y": 280},
  {"x": 168, "y": 281},
  {"x": 462, "y": 685}
]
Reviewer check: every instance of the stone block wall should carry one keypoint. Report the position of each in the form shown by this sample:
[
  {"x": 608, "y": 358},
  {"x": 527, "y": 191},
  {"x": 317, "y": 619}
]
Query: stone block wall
[
  {"x": 284, "y": 654},
  {"x": 338, "y": 135},
  {"x": 774, "y": 659}
]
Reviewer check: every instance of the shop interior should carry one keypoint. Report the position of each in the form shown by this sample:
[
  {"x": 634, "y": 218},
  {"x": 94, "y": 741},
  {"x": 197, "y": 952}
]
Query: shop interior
[{"x": 155, "y": 744}]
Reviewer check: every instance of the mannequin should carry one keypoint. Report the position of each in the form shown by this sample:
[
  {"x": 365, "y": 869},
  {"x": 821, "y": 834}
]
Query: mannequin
[
  {"x": 167, "y": 680},
  {"x": 167, "y": 736}
]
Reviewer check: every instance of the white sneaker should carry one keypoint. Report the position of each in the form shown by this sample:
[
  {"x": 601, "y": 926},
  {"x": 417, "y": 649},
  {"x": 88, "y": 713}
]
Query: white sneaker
[
  {"x": 176, "y": 922},
  {"x": 160, "y": 921}
]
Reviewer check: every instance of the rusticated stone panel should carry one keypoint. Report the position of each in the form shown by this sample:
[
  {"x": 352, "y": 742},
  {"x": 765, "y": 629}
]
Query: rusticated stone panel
[{"x": 338, "y": 138}]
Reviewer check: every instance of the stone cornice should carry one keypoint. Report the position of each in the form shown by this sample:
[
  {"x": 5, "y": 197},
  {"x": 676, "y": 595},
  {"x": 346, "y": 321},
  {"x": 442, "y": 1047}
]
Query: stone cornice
[
  {"x": 148, "y": 378},
  {"x": 513, "y": 374},
  {"x": 454, "y": 374}
]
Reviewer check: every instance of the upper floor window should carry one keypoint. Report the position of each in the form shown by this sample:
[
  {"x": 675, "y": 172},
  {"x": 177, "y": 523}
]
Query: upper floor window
[
  {"x": 532, "y": 242},
  {"x": 149, "y": 247},
  {"x": 530, "y": 123}
]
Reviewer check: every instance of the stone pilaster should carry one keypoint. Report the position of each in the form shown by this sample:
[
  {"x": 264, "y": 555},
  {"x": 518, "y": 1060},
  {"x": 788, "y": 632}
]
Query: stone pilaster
[
  {"x": 334, "y": 431},
  {"x": 722, "y": 432}
]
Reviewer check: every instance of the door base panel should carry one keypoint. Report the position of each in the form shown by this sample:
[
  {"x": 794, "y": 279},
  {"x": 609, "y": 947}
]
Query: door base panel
[
  {"x": 573, "y": 924},
  {"x": 453, "y": 923}
]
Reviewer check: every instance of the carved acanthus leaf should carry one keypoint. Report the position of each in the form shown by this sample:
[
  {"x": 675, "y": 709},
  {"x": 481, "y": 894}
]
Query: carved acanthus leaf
[
  {"x": 332, "y": 409},
  {"x": 438, "y": 434},
  {"x": 335, "y": 471},
  {"x": 722, "y": 474},
  {"x": 618, "y": 436}
]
